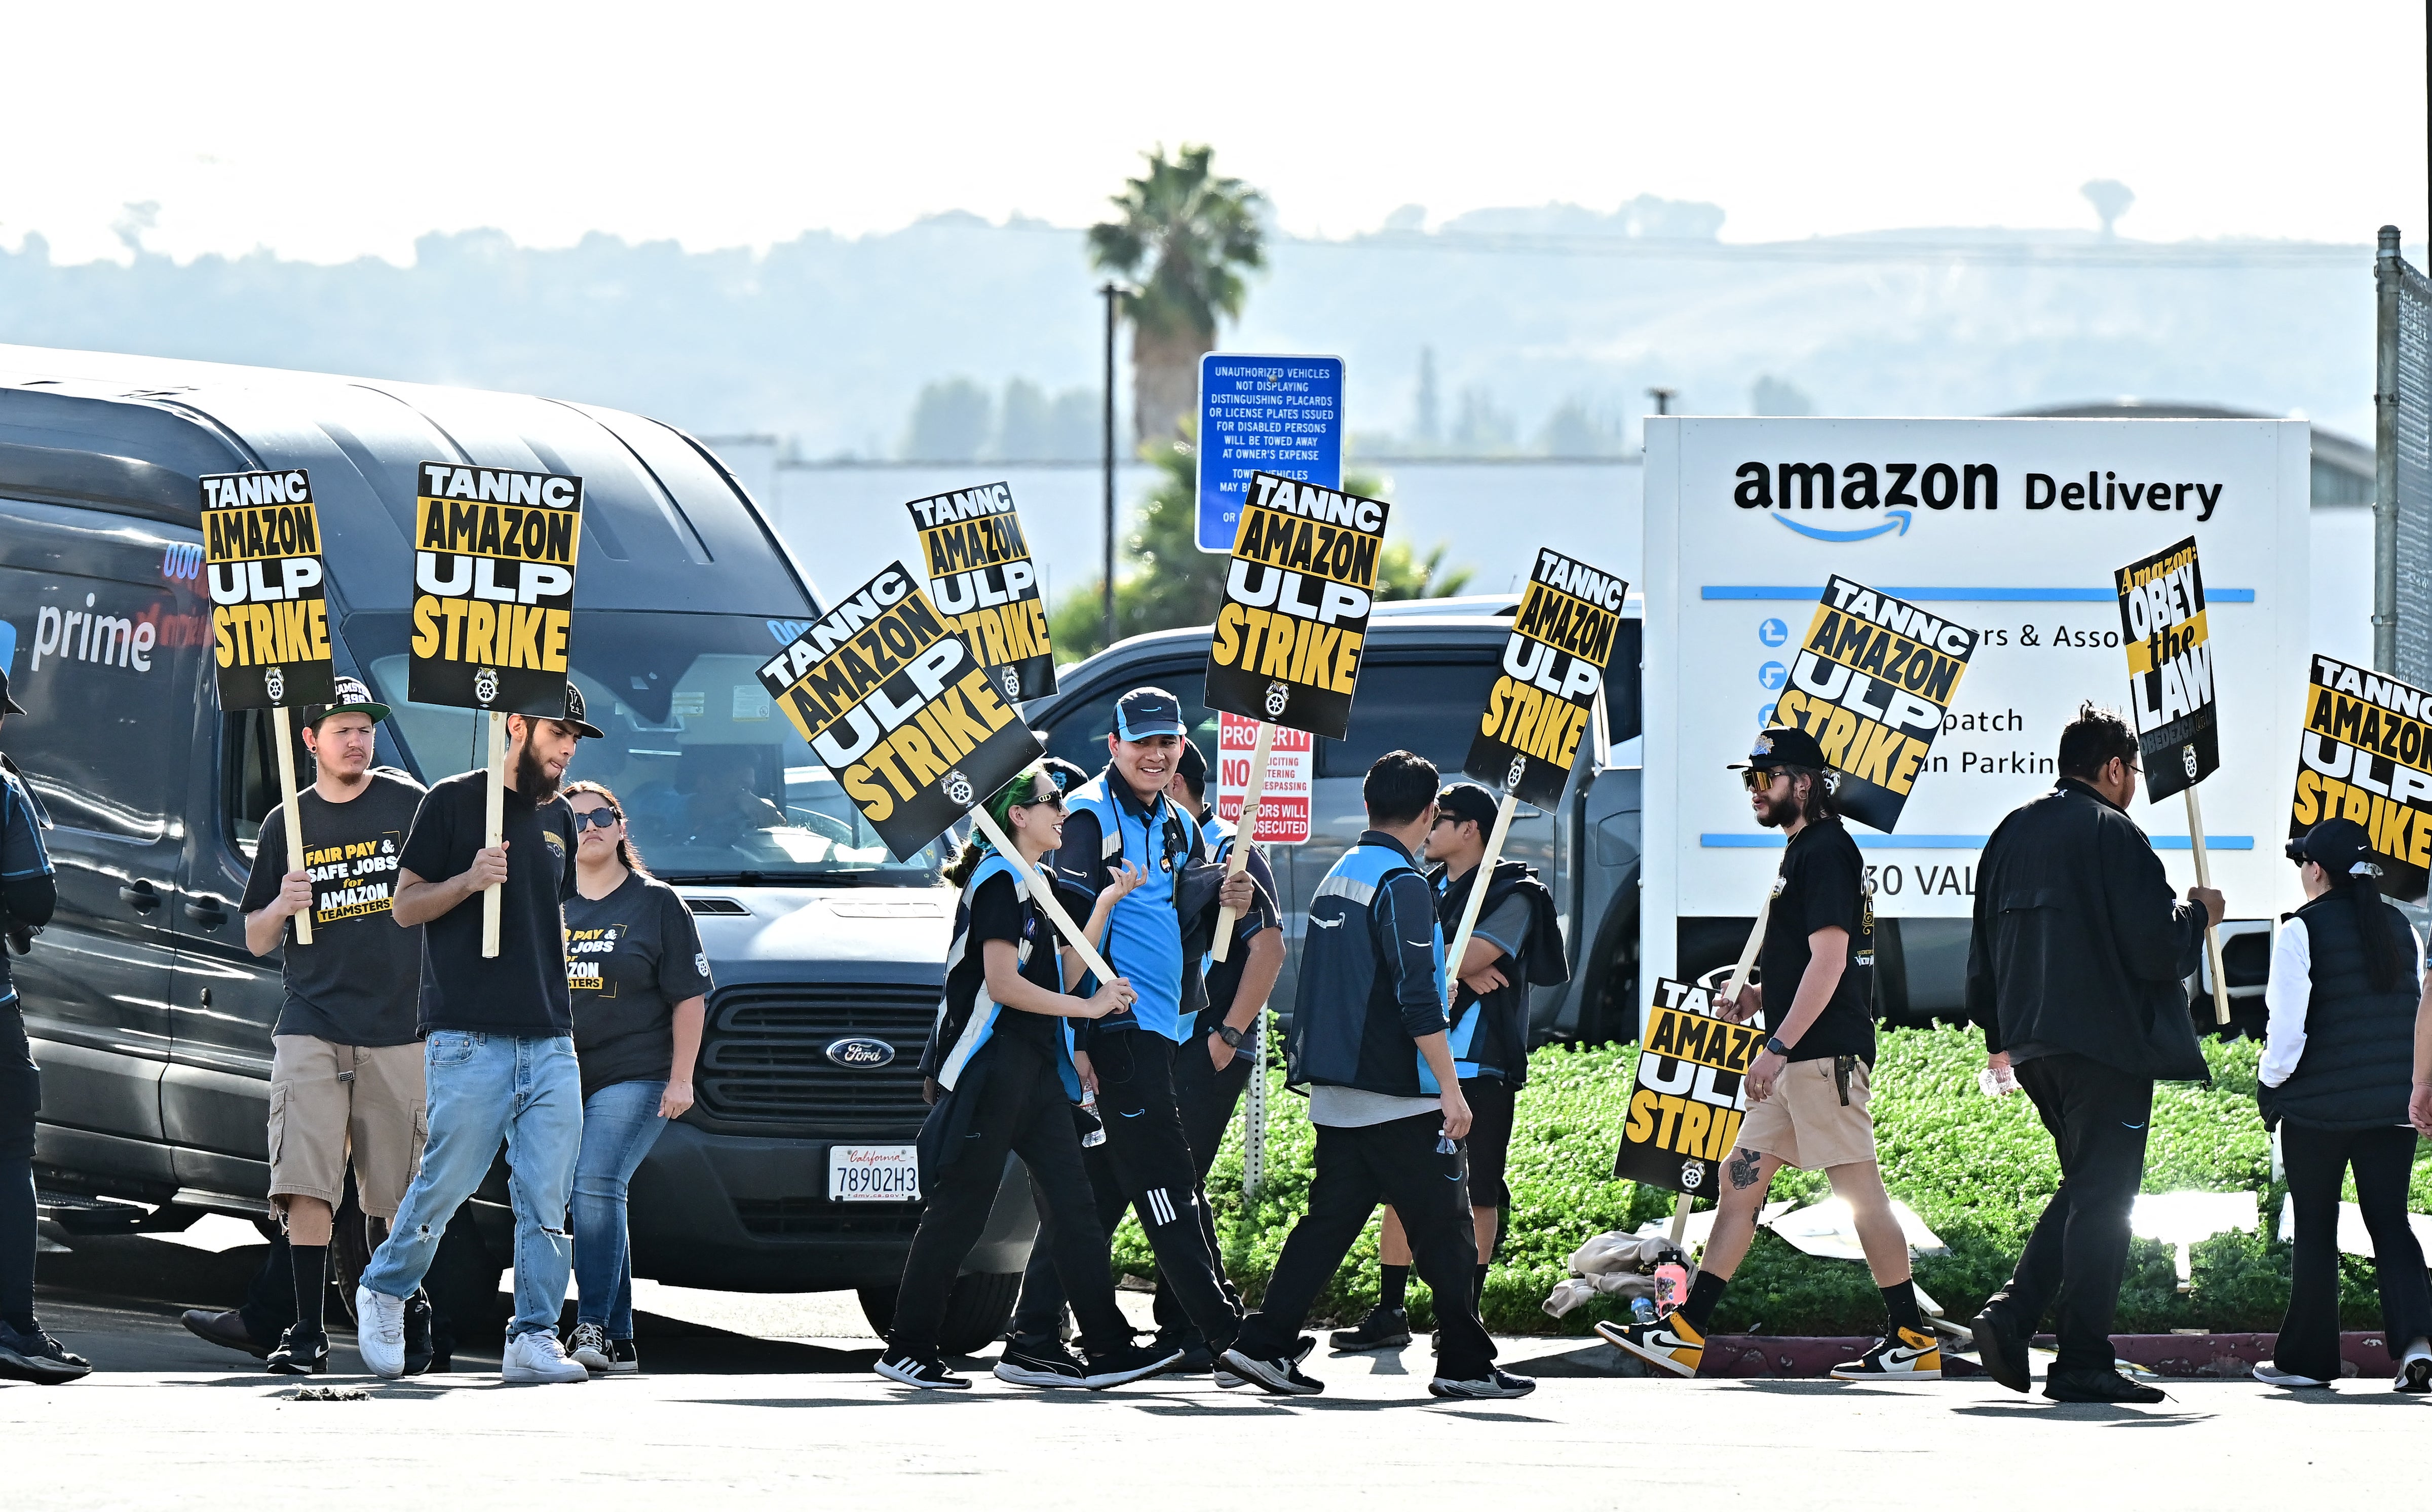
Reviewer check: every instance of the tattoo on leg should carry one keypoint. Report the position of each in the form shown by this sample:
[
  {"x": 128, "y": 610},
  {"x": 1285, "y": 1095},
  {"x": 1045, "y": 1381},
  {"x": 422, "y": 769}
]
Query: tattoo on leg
[{"x": 1743, "y": 1168}]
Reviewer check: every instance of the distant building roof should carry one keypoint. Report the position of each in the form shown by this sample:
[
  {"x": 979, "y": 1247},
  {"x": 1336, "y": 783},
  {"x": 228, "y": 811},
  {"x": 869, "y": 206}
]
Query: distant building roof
[{"x": 2343, "y": 466}]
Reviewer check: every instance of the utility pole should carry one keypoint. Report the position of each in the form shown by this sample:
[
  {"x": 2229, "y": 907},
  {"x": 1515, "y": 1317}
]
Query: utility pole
[
  {"x": 1663, "y": 397},
  {"x": 1110, "y": 293}
]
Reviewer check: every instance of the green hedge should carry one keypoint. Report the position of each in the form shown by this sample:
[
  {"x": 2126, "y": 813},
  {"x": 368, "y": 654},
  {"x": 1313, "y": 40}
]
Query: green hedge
[{"x": 1977, "y": 1170}]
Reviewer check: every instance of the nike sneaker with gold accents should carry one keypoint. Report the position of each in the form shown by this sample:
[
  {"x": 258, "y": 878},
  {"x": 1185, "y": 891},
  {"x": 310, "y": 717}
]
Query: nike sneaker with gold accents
[
  {"x": 1670, "y": 1343},
  {"x": 1907, "y": 1356}
]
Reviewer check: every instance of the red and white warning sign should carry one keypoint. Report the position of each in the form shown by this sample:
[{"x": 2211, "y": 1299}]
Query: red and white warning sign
[{"x": 1283, "y": 810}]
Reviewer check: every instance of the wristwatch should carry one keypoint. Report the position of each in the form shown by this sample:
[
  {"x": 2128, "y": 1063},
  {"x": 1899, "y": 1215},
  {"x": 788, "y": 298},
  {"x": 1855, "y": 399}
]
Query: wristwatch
[
  {"x": 1773, "y": 1042},
  {"x": 1231, "y": 1036}
]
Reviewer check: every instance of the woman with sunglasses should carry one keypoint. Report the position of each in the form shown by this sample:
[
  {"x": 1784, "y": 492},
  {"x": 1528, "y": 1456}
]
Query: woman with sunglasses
[
  {"x": 1001, "y": 1068},
  {"x": 638, "y": 978}
]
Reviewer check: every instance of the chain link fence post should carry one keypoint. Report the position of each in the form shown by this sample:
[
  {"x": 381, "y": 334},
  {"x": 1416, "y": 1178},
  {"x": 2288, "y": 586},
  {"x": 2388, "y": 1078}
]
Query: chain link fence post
[{"x": 2402, "y": 506}]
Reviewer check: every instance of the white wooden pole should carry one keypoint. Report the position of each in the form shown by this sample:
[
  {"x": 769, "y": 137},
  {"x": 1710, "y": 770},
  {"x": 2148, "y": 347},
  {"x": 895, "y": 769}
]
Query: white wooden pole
[
  {"x": 1043, "y": 893},
  {"x": 2203, "y": 880},
  {"x": 494, "y": 824},
  {"x": 285, "y": 738},
  {"x": 1485, "y": 874},
  {"x": 1730, "y": 997},
  {"x": 1242, "y": 833}
]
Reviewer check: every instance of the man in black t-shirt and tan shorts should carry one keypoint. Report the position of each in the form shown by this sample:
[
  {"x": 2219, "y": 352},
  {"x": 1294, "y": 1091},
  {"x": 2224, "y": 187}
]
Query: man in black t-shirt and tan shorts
[{"x": 1808, "y": 1090}]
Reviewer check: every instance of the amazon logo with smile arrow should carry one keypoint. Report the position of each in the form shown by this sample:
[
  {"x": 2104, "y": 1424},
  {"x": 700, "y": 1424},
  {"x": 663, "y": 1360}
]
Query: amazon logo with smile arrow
[{"x": 1897, "y": 488}]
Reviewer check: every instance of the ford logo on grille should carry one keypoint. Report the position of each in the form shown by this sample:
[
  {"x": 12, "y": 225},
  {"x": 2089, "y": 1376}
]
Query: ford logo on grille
[{"x": 861, "y": 1054}]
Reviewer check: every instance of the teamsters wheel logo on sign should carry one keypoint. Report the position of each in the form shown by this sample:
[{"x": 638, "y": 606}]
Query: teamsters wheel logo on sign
[
  {"x": 274, "y": 681},
  {"x": 1519, "y": 769},
  {"x": 956, "y": 787},
  {"x": 1279, "y": 694},
  {"x": 1693, "y": 1175},
  {"x": 2186, "y": 755},
  {"x": 1012, "y": 681},
  {"x": 486, "y": 684}
]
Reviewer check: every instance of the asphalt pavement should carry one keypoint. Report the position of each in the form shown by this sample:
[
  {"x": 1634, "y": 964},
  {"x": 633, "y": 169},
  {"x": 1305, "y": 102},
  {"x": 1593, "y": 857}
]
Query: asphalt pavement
[{"x": 758, "y": 1399}]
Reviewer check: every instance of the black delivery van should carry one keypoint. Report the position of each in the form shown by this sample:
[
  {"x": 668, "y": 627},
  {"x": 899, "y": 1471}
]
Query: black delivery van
[{"x": 150, "y": 1021}]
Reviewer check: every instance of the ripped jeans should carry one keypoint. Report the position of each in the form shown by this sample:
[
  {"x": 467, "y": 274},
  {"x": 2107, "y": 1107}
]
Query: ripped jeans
[{"x": 485, "y": 1089}]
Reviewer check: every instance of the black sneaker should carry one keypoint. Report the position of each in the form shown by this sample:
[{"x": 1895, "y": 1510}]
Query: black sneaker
[
  {"x": 1277, "y": 1377},
  {"x": 913, "y": 1370},
  {"x": 226, "y": 1329},
  {"x": 2002, "y": 1350},
  {"x": 623, "y": 1359},
  {"x": 301, "y": 1351},
  {"x": 418, "y": 1353},
  {"x": 1226, "y": 1379},
  {"x": 1048, "y": 1366},
  {"x": 1196, "y": 1357},
  {"x": 1496, "y": 1384},
  {"x": 2098, "y": 1385},
  {"x": 1384, "y": 1328},
  {"x": 39, "y": 1358},
  {"x": 1132, "y": 1362}
]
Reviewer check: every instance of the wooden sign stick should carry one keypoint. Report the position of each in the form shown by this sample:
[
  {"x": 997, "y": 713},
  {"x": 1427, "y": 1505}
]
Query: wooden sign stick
[
  {"x": 493, "y": 825},
  {"x": 1730, "y": 997},
  {"x": 295, "y": 826},
  {"x": 1244, "y": 829},
  {"x": 1043, "y": 893},
  {"x": 2212, "y": 932},
  {"x": 1485, "y": 874}
]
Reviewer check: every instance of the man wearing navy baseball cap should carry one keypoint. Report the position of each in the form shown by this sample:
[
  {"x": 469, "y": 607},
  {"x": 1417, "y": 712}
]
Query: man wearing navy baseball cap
[{"x": 1121, "y": 831}]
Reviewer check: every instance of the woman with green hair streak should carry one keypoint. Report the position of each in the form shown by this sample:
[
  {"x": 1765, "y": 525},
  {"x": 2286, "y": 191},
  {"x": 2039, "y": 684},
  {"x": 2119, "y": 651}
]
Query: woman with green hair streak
[{"x": 1000, "y": 1064}]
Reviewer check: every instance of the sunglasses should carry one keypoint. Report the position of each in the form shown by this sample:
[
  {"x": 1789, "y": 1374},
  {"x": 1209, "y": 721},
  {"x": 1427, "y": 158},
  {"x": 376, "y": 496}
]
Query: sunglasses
[
  {"x": 1054, "y": 800},
  {"x": 597, "y": 818},
  {"x": 1757, "y": 780}
]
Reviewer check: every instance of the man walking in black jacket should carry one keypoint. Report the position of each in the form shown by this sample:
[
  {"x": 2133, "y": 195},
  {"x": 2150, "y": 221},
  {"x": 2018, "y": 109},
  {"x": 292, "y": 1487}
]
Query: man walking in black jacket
[{"x": 2074, "y": 970}]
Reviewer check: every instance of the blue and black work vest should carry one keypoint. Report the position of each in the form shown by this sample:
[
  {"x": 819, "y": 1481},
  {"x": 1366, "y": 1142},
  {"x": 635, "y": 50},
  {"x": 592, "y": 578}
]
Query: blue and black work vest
[{"x": 1371, "y": 977}]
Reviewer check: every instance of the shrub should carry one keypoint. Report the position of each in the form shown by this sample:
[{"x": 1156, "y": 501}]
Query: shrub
[{"x": 1977, "y": 1170}]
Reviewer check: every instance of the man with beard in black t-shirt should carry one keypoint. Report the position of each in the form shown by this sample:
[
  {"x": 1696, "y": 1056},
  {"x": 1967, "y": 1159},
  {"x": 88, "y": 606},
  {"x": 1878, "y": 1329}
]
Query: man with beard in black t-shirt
[{"x": 1808, "y": 1090}]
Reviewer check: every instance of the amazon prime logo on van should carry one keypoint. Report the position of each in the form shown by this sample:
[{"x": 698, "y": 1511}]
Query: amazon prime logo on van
[
  {"x": 485, "y": 685},
  {"x": 1279, "y": 694},
  {"x": 957, "y": 788},
  {"x": 861, "y": 1053}
]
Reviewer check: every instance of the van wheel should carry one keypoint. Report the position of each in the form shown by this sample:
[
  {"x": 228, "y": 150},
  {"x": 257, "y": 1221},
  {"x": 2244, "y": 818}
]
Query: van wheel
[{"x": 976, "y": 1312}]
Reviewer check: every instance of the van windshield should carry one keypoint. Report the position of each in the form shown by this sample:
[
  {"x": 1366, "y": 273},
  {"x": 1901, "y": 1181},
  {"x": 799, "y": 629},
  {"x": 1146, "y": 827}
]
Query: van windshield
[{"x": 716, "y": 783}]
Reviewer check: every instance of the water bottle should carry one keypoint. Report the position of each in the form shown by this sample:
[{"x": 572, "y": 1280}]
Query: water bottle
[
  {"x": 1097, "y": 1134},
  {"x": 1642, "y": 1309},
  {"x": 1671, "y": 1285}
]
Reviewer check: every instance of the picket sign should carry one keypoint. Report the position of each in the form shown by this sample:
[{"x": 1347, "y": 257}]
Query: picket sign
[
  {"x": 2212, "y": 931},
  {"x": 1245, "y": 827},
  {"x": 1731, "y": 995},
  {"x": 494, "y": 826},
  {"x": 294, "y": 821},
  {"x": 1043, "y": 894},
  {"x": 1480, "y": 879}
]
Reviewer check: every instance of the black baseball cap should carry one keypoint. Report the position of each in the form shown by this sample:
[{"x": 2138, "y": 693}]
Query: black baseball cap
[
  {"x": 1782, "y": 745},
  {"x": 1068, "y": 776},
  {"x": 574, "y": 713},
  {"x": 2338, "y": 846},
  {"x": 7, "y": 704},
  {"x": 1193, "y": 766},
  {"x": 353, "y": 697},
  {"x": 1467, "y": 800},
  {"x": 1147, "y": 711}
]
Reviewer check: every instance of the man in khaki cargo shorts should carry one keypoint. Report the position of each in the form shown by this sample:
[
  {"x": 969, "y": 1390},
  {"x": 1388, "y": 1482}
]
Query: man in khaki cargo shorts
[
  {"x": 346, "y": 1069},
  {"x": 1808, "y": 1091}
]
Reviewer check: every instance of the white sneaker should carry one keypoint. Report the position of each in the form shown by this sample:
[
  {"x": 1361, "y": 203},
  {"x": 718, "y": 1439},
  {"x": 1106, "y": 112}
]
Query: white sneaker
[
  {"x": 380, "y": 1331},
  {"x": 2414, "y": 1369},
  {"x": 2270, "y": 1373},
  {"x": 537, "y": 1359},
  {"x": 590, "y": 1346}
]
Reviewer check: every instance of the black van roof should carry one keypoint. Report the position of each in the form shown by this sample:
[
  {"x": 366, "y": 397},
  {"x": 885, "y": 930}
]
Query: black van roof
[{"x": 665, "y": 525}]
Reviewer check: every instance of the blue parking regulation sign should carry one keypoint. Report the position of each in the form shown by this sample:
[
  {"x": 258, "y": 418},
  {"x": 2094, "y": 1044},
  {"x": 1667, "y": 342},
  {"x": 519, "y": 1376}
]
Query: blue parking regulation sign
[{"x": 1278, "y": 414}]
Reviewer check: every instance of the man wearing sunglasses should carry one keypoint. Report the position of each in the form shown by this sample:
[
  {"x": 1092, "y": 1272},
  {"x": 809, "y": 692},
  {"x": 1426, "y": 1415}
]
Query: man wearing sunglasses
[
  {"x": 1807, "y": 1090},
  {"x": 2075, "y": 970}
]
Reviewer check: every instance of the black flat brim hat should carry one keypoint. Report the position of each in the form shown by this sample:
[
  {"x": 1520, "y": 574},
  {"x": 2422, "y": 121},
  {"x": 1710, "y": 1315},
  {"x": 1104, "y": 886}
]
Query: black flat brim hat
[
  {"x": 1782, "y": 745},
  {"x": 353, "y": 697},
  {"x": 7, "y": 704},
  {"x": 574, "y": 712},
  {"x": 1467, "y": 800}
]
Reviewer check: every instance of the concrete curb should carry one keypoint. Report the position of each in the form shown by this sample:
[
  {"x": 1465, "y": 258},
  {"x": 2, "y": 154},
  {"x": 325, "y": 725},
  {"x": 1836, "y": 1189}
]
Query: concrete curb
[{"x": 1761, "y": 1356}]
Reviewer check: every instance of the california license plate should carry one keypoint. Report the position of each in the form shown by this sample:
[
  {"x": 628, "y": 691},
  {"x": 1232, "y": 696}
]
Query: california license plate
[{"x": 873, "y": 1173}]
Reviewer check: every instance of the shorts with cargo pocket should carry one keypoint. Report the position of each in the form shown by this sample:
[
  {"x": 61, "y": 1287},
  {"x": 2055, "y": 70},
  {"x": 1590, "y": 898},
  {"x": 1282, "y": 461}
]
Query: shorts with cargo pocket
[
  {"x": 331, "y": 1102},
  {"x": 1806, "y": 1124}
]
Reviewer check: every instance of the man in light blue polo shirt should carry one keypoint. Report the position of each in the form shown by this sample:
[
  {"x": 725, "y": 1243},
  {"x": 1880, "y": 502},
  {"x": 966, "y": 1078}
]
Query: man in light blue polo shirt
[{"x": 1121, "y": 827}]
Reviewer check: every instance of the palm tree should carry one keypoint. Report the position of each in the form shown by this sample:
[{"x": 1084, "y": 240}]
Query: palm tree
[{"x": 1197, "y": 232}]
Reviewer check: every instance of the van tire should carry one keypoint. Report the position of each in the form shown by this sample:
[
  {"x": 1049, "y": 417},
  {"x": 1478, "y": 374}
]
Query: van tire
[{"x": 976, "y": 1313}]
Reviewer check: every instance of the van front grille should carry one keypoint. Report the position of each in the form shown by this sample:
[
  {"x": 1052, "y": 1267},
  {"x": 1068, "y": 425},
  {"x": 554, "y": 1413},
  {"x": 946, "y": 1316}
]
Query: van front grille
[{"x": 763, "y": 1057}]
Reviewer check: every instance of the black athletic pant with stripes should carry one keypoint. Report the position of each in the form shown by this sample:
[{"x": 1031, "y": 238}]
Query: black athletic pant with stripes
[
  {"x": 1022, "y": 1109},
  {"x": 1147, "y": 1163}
]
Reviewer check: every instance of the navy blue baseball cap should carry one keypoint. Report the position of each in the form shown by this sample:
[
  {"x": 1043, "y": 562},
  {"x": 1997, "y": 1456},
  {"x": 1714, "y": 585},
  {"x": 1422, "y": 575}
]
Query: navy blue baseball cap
[
  {"x": 1782, "y": 745},
  {"x": 7, "y": 704},
  {"x": 1147, "y": 711}
]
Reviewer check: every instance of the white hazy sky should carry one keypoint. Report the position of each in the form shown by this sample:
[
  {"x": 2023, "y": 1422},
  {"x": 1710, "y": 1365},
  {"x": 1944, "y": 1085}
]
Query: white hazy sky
[{"x": 329, "y": 131}]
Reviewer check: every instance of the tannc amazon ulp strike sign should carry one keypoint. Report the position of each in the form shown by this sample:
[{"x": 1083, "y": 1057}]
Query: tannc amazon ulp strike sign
[
  {"x": 1999, "y": 545},
  {"x": 493, "y": 555}
]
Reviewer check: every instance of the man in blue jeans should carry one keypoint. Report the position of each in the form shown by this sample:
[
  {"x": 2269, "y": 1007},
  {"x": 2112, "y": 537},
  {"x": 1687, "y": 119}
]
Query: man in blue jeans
[{"x": 498, "y": 1042}]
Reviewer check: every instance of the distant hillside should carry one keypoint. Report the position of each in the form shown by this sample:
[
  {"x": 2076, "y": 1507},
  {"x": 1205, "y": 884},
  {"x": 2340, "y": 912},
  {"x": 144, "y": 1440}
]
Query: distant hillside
[{"x": 1545, "y": 325}]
